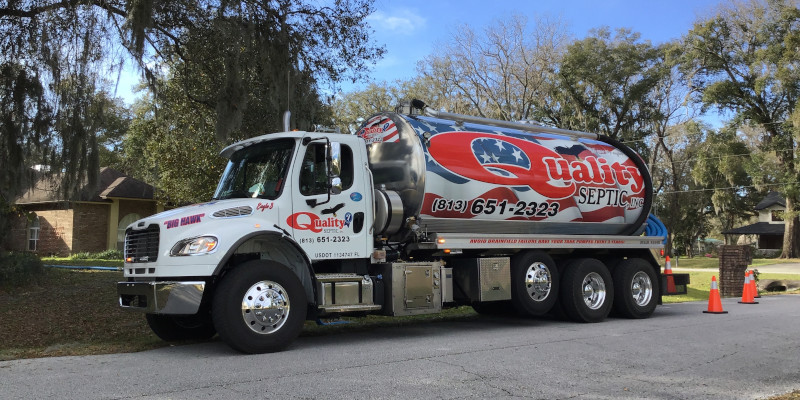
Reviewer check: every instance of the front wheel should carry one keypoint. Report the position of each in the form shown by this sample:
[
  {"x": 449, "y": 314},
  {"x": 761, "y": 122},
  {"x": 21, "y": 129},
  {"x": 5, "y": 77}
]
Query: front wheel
[
  {"x": 587, "y": 291},
  {"x": 636, "y": 288},
  {"x": 172, "y": 328},
  {"x": 259, "y": 307}
]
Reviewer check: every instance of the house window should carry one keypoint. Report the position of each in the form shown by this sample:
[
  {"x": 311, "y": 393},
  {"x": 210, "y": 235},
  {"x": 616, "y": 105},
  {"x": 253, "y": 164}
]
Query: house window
[
  {"x": 777, "y": 215},
  {"x": 123, "y": 223},
  {"x": 33, "y": 234}
]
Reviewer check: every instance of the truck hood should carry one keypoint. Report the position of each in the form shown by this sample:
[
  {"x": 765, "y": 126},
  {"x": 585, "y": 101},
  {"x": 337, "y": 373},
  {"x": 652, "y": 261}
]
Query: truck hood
[{"x": 198, "y": 213}]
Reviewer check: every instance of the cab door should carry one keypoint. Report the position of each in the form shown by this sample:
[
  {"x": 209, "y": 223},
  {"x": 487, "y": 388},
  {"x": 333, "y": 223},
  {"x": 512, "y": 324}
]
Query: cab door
[{"x": 329, "y": 202}]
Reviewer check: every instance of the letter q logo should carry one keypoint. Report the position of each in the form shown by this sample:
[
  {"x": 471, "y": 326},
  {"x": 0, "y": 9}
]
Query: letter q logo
[{"x": 304, "y": 221}]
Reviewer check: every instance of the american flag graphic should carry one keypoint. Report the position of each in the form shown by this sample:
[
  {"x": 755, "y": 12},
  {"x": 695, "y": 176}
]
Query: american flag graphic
[
  {"x": 379, "y": 129},
  {"x": 494, "y": 154}
]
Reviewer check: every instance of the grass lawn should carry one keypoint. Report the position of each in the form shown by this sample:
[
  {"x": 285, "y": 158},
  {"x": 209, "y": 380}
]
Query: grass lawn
[
  {"x": 709, "y": 262},
  {"x": 81, "y": 316}
]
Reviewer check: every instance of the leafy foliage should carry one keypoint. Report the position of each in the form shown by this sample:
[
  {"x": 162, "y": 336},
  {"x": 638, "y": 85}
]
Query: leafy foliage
[
  {"x": 19, "y": 269},
  {"x": 745, "y": 59}
]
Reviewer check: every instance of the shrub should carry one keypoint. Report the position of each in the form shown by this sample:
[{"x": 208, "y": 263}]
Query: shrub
[
  {"x": 20, "y": 269},
  {"x": 109, "y": 255},
  {"x": 103, "y": 255}
]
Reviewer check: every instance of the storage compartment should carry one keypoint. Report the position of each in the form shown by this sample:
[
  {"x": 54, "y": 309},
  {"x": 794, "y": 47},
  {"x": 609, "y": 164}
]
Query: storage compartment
[
  {"x": 412, "y": 288},
  {"x": 345, "y": 292},
  {"x": 483, "y": 279}
]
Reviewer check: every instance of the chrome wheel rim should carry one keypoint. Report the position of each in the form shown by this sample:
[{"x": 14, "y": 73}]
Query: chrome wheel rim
[
  {"x": 265, "y": 307},
  {"x": 538, "y": 281},
  {"x": 594, "y": 290},
  {"x": 641, "y": 289}
]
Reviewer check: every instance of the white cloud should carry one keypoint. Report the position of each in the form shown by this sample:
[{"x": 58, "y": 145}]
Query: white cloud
[{"x": 402, "y": 21}]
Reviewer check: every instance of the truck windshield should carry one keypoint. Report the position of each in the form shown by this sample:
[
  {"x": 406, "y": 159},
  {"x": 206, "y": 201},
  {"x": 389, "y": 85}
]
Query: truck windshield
[{"x": 257, "y": 171}]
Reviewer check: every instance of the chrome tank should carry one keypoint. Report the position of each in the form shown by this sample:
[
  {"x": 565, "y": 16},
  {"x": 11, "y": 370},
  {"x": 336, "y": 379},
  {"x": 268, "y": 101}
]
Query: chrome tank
[{"x": 462, "y": 177}]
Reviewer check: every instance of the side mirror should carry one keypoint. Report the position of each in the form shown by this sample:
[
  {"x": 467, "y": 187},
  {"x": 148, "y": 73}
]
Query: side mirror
[{"x": 336, "y": 185}]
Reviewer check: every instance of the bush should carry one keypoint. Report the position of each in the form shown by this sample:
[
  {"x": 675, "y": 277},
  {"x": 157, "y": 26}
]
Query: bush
[
  {"x": 20, "y": 269},
  {"x": 103, "y": 255}
]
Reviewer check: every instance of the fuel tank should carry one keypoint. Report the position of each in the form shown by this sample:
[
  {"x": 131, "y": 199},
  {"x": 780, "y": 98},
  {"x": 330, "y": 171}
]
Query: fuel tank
[{"x": 456, "y": 176}]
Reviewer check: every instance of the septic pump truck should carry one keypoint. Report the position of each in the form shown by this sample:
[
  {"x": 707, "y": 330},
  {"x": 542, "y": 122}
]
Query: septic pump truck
[{"x": 420, "y": 210}]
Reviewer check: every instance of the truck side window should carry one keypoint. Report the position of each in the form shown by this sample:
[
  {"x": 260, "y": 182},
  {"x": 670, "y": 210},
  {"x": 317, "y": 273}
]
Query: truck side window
[
  {"x": 314, "y": 173},
  {"x": 347, "y": 167}
]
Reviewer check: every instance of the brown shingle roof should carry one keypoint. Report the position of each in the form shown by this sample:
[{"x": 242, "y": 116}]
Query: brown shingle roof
[{"x": 112, "y": 183}]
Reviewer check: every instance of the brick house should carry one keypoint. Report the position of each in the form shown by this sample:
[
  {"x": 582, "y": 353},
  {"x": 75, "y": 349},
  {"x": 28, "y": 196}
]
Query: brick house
[
  {"x": 767, "y": 233},
  {"x": 93, "y": 223}
]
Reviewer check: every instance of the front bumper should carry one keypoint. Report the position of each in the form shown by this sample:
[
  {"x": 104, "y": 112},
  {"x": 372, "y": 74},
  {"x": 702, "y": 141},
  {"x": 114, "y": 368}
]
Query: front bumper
[{"x": 161, "y": 297}]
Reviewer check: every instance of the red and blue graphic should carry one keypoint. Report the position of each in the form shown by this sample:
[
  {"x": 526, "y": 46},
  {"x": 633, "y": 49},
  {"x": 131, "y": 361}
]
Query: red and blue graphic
[
  {"x": 379, "y": 129},
  {"x": 498, "y": 176}
]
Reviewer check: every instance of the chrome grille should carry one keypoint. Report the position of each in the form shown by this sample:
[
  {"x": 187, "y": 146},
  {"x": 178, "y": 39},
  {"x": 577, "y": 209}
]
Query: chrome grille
[
  {"x": 233, "y": 212},
  {"x": 142, "y": 246}
]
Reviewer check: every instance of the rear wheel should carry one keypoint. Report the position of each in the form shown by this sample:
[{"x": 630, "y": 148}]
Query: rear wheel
[
  {"x": 534, "y": 283},
  {"x": 172, "y": 328},
  {"x": 587, "y": 290},
  {"x": 259, "y": 307},
  {"x": 636, "y": 288}
]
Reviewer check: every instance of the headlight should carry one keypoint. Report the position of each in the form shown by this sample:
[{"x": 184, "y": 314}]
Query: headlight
[{"x": 194, "y": 246}]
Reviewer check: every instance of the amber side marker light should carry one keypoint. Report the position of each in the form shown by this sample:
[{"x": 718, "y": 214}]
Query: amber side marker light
[{"x": 440, "y": 240}]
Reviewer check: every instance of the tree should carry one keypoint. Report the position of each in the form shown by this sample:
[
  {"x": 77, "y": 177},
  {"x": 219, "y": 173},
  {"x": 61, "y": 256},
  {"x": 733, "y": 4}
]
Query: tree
[
  {"x": 682, "y": 204},
  {"x": 248, "y": 54},
  {"x": 171, "y": 144},
  {"x": 745, "y": 59},
  {"x": 721, "y": 167},
  {"x": 605, "y": 85},
  {"x": 498, "y": 75}
]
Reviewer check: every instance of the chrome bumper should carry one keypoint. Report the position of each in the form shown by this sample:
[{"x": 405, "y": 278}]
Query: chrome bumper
[{"x": 161, "y": 297}]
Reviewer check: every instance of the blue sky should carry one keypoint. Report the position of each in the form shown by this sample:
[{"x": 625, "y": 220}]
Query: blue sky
[{"x": 410, "y": 29}]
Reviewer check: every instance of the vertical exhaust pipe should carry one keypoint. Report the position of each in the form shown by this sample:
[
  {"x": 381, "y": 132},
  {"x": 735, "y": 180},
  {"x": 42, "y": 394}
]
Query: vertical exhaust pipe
[{"x": 287, "y": 117}]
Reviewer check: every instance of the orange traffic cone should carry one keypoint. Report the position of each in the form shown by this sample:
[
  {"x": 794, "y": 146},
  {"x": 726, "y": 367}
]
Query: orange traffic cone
[
  {"x": 747, "y": 291},
  {"x": 754, "y": 285},
  {"x": 670, "y": 278},
  {"x": 714, "y": 303}
]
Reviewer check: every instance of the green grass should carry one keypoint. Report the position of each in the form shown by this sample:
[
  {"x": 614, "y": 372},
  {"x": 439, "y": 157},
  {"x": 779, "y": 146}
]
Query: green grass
[
  {"x": 82, "y": 316},
  {"x": 700, "y": 285},
  {"x": 710, "y": 262}
]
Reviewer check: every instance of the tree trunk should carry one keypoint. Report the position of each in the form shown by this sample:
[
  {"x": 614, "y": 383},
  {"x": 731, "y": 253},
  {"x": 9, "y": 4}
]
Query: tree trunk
[{"x": 791, "y": 234}]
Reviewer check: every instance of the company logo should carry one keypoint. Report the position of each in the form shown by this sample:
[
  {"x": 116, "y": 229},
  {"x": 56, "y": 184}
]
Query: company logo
[
  {"x": 379, "y": 129},
  {"x": 355, "y": 196},
  {"x": 306, "y": 221},
  {"x": 508, "y": 161}
]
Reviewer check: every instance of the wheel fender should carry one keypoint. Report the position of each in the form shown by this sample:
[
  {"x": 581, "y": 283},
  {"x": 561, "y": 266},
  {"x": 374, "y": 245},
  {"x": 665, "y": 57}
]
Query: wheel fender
[{"x": 277, "y": 247}]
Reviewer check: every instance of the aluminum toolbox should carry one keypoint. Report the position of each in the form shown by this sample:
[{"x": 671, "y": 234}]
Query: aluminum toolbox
[{"x": 483, "y": 279}]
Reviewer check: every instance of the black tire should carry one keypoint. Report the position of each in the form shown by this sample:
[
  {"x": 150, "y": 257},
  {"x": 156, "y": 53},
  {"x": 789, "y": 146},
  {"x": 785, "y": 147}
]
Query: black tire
[
  {"x": 501, "y": 308},
  {"x": 636, "y": 289},
  {"x": 171, "y": 328},
  {"x": 594, "y": 303},
  {"x": 534, "y": 283},
  {"x": 259, "y": 307}
]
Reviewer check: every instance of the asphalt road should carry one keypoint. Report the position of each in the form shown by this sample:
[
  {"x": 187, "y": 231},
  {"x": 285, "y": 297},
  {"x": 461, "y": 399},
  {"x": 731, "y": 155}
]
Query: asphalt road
[{"x": 679, "y": 353}]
